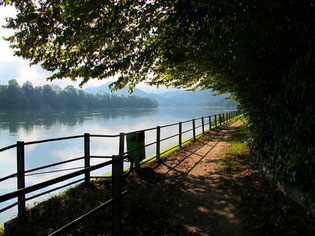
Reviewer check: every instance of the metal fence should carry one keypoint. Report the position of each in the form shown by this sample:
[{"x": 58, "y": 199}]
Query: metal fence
[{"x": 116, "y": 161}]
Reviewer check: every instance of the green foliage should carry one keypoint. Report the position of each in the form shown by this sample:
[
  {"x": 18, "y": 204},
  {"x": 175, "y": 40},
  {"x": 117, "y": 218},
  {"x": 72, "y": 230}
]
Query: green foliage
[
  {"x": 259, "y": 51},
  {"x": 237, "y": 147},
  {"x": 53, "y": 97},
  {"x": 2, "y": 229}
]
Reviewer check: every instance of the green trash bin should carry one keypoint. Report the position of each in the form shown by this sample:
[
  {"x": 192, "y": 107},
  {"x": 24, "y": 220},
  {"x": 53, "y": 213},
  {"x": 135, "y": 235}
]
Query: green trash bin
[{"x": 136, "y": 141}]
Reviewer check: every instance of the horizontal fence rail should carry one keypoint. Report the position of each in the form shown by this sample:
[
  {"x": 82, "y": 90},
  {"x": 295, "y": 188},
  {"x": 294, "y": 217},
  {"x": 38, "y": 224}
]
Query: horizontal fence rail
[{"x": 116, "y": 161}]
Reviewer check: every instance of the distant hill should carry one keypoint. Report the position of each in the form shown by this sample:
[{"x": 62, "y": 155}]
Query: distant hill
[
  {"x": 173, "y": 98},
  {"x": 122, "y": 92}
]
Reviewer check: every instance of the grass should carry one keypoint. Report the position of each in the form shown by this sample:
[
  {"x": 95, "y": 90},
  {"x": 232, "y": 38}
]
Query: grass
[
  {"x": 2, "y": 229},
  {"x": 49, "y": 215},
  {"x": 170, "y": 150},
  {"x": 174, "y": 148},
  {"x": 259, "y": 202},
  {"x": 237, "y": 148}
]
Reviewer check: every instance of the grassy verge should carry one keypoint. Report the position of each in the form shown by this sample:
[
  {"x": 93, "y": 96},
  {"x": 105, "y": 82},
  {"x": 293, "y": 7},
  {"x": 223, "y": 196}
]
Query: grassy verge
[
  {"x": 2, "y": 229},
  {"x": 186, "y": 142},
  {"x": 261, "y": 205}
]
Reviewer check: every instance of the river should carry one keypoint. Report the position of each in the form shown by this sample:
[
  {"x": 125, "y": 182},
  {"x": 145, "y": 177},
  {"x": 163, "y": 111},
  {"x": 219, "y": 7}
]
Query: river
[{"x": 33, "y": 125}]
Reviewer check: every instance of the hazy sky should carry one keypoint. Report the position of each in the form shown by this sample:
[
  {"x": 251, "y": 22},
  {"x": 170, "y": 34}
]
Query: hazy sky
[{"x": 12, "y": 67}]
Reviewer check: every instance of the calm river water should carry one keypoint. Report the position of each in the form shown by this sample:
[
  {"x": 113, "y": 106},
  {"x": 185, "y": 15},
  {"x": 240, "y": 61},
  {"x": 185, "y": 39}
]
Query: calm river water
[{"x": 31, "y": 126}]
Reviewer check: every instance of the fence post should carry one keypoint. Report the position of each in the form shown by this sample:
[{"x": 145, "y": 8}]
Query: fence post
[
  {"x": 215, "y": 120},
  {"x": 20, "y": 154},
  {"x": 116, "y": 195},
  {"x": 194, "y": 129},
  {"x": 121, "y": 149},
  {"x": 158, "y": 142},
  {"x": 180, "y": 134},
  {"x": 117, "y": 170},
  {"x": 203, "y": 125},
  {"x": 87, "y": 156},
  {"x": 220, "y": 120},
  {"x": 209, "y": 122}
]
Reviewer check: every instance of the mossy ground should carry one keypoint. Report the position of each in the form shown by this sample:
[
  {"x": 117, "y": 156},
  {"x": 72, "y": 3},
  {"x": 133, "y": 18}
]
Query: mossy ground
[{"x": 259, "y": 200}]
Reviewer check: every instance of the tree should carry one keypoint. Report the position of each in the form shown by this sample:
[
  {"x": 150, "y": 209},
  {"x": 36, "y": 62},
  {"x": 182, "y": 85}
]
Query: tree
[
  {"x": 259, "y": 51},
  {"x": 28, "y": 88},
  {"x": 49, "y": 97},
  {"x": 28, "y": 91},
  {"x": 14, "y": 93},
  {"x": 69, "y": 97}
]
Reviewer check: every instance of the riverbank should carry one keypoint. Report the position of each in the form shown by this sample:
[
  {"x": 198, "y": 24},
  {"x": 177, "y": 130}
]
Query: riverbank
[{"x": 210, "y": 187}]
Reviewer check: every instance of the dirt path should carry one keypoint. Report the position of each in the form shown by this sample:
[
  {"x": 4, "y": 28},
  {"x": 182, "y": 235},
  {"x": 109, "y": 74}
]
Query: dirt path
[{"x": 189, "y": 189}]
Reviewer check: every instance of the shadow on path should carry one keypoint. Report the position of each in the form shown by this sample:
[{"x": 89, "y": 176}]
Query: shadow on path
[
  {"x": 190, "y": 194},
  {"x": 183, "y": 195}
]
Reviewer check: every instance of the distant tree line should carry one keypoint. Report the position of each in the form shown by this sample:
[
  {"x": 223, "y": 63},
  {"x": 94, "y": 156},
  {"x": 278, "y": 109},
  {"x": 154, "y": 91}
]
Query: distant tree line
[{"x": 14, "y": 96}]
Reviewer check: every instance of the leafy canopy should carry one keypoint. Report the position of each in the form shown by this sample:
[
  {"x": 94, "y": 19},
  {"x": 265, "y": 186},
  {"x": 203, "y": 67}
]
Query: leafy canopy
[
  {"x": 89, "y": 39},
  {"x": 177, "y": 43},
  {"x": 181, "y": 43}
]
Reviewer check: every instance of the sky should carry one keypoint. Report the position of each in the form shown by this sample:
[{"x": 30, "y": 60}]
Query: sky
[{"x": 13, "y": 67}]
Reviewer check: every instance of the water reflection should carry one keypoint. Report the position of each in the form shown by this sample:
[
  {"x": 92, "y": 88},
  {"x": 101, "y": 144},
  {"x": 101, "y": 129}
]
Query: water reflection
[{"x": 27, "y": 120}]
